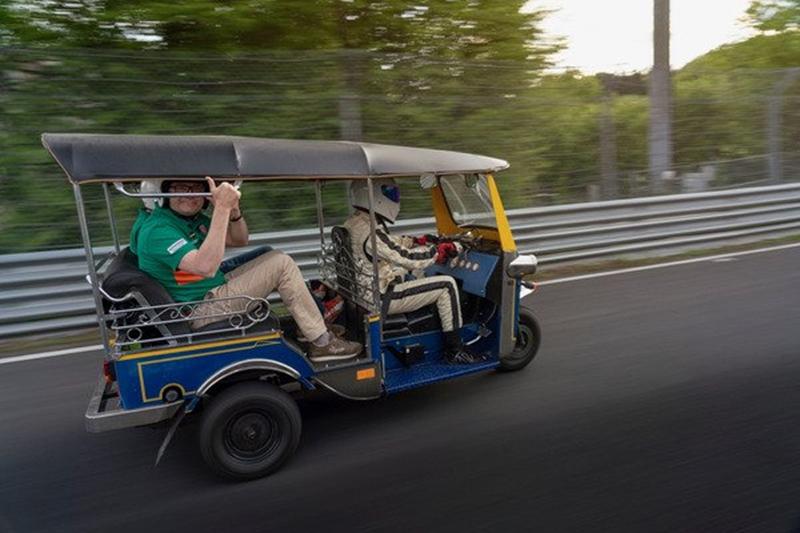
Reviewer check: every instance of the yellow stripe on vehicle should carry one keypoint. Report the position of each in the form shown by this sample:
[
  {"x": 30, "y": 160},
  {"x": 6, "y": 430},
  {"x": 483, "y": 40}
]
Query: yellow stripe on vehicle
[
  {"x": 198, "y": 347},
  {"x": 140, "y": 365}
]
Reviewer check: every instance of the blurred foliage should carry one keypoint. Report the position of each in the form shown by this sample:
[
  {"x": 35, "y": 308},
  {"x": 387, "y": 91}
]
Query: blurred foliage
[
  {"x": 775, "y": 15},
  {"x": 474, "y": 76}
]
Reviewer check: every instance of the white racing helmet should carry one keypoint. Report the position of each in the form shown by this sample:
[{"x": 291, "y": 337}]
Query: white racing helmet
[
  {"x": 151, "y": 187},
  {"x": 385, "y": 192}
]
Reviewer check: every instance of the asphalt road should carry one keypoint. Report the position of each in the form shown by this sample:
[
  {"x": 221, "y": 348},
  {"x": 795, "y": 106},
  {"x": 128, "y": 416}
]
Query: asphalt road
[{"x": 663, "y": 400}]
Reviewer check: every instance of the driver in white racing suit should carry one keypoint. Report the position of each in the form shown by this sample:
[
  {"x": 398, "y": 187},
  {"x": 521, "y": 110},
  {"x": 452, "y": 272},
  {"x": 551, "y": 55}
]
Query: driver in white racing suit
[{"x": 397, "y": 257}]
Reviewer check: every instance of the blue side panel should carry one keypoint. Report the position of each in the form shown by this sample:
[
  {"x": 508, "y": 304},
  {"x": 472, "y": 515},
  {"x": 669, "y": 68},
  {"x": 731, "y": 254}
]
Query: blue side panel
[
  {"x": 431, "y": 341},
  {"x": 375, "y": 338},
  {"x": 432, "y": 368},
  {"x": 472, "y": 268},
  {"x": 141, "y": 380},
  {"x": 400, "y": 380}
]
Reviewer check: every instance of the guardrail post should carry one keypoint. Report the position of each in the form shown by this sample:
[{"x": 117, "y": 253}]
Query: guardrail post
[
  {"x": 608, "y": 149},
  {"x": 774, "y": 124}
]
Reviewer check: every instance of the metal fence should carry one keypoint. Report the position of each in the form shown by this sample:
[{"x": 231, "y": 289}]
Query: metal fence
[
  {"x": 46, "y": 291},
  {"x": 569, "y": 137}
]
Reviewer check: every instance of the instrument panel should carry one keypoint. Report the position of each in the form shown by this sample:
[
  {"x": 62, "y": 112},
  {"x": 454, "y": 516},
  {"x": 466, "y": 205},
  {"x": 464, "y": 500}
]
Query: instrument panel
[{"x": 471, "y": 267}]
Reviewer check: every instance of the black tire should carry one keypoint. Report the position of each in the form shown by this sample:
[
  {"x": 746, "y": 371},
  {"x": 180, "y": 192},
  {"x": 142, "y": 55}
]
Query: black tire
[
  {"x": 528, "y": 340},
  {"x": 249, "y": 431}
]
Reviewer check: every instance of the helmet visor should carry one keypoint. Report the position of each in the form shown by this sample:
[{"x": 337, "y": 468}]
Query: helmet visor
[{"x": 392, "y": 192}]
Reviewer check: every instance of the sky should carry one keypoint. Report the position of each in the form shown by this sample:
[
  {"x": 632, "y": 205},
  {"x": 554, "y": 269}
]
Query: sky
[{"x": 617, "y": 35}]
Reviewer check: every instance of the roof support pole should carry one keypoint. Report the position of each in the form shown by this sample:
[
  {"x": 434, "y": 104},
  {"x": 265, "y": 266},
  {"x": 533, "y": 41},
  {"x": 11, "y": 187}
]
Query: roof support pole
[
  {"x": 373, "y": 226},
  {"x": 320, "y": 214},
  {"x": 87, "y": 245},
  {"x": 111, "y": 220}
]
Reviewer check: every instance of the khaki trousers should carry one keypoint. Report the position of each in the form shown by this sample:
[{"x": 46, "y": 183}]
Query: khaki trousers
[
  {"x": 412, "y": 295},
  {"x": 258, "y": 278}
]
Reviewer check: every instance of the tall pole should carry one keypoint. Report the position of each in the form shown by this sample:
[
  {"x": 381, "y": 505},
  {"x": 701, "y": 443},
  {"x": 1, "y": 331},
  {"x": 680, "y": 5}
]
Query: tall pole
[
  {"x": 774, "y": 124},
  {"x": 608, "y": 143},
  {"x": 660, "y": 98}
]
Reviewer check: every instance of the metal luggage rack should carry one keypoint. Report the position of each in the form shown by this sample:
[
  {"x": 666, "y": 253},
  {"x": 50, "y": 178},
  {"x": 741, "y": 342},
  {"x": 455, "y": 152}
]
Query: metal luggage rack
[
  {"x": 347, "y": 275},
  {"x": 130, "y": 323}
]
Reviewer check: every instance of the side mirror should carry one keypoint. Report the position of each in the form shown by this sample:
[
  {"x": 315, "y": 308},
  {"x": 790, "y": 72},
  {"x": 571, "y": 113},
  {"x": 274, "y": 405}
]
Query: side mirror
[
  {"x": 523, "y": 265},
  {"x": 427, "y": 181}
]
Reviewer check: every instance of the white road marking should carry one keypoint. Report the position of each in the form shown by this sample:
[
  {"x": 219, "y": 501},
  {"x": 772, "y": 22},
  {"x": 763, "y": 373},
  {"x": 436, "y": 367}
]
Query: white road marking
[
  {"x": 45, "y": 355},
  {"x": 58, "y": 353},
  {"x": 664, "y": 265}
]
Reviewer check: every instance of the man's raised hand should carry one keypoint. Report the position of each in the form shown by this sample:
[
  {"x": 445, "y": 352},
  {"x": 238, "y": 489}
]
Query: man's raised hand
[{"x": 223, "y": 196}]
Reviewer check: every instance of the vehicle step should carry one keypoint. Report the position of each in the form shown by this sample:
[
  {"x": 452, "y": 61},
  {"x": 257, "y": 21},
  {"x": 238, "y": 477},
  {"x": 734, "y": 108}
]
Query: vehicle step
[{"x": 408, "y": 378}]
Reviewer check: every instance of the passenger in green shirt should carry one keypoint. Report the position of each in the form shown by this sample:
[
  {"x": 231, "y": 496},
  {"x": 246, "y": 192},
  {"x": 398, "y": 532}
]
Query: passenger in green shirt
[{"x": 182, "y": 248}]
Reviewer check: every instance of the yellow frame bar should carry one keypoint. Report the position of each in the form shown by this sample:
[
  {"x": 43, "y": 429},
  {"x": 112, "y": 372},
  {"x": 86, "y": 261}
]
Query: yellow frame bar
[{"x": 447, "y": 226}]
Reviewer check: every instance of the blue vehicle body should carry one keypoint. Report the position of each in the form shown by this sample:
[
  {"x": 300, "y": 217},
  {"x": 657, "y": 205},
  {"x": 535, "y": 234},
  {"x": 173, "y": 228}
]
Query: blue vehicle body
[
  {"x": 145, "y": 377},
  {"x": 242, "y": 370}
]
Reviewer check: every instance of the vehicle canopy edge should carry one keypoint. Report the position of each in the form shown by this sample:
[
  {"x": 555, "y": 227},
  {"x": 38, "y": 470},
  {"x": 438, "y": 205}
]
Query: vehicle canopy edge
[{"x": 102, "y": 158}]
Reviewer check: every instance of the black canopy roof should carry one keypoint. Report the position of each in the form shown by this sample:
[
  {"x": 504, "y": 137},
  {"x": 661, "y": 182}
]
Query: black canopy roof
[{"x": 90, "y": 157}]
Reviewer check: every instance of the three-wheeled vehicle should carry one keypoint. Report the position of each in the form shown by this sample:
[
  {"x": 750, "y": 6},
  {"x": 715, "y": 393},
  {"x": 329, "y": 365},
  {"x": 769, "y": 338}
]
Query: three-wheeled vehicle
[{"x": 241, "y": 373}]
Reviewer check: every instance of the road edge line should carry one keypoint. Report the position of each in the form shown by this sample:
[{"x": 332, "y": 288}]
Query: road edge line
[
  {"x": 664, "y": 265},
  {"x": 45, "y": 355}
]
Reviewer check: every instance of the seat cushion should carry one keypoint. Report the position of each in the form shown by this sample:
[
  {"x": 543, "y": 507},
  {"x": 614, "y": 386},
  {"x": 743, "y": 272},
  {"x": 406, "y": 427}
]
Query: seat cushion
[{"x": 123, "y": 276}]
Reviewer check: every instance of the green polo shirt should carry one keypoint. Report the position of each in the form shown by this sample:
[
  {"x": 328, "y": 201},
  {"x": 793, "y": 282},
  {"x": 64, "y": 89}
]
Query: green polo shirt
[
  {"x": 141, "y": 217},
  {"x": 163, "y": 239}
]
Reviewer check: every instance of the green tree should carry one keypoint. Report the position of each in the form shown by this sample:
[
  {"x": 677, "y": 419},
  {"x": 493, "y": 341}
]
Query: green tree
[
  {"x": 431, "y": 73},
  {"x": 774, "y": 15}
]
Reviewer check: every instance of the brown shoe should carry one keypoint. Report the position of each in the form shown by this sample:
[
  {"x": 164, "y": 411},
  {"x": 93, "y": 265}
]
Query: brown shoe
[
  {"x": 336, "y": 330},
  {"x": 335, "y": 350}
]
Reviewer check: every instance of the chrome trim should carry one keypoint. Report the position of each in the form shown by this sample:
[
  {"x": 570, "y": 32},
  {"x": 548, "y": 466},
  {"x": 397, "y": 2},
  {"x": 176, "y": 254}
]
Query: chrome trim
[
  {"x": 107, "y": 296},
  {"x": 522, "y": 265},
  {"x": 347, "y": 396},
  {"x": 248, "y": 364},
  {"x": 119, "y": 418},
  {"x": 256, "y": 310},
  {"x": 120, "y": 186},
  {"x": 507, "y": 304}
]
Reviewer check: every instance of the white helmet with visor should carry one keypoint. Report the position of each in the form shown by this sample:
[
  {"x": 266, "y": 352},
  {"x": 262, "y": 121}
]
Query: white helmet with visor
[{"x": 386, "y": 195}]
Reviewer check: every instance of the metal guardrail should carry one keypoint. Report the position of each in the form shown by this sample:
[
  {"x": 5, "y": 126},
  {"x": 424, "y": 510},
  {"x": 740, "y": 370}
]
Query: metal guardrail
[{"x": 46, "y": 291}]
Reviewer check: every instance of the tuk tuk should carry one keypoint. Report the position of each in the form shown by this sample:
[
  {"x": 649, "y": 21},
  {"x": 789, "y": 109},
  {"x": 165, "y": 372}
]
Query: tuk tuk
[{"x": 241, "y": 374}]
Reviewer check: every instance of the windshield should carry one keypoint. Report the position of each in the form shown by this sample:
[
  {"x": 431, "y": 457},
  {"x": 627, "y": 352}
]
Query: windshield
[{"x": 468, "y": 199}]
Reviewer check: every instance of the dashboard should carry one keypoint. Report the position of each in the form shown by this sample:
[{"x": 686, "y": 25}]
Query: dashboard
[{"x": 472, "y": 267}]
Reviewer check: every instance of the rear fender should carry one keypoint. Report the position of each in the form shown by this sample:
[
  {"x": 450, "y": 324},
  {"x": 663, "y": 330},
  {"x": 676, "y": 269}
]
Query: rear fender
[{"x": 248, "y": 365}]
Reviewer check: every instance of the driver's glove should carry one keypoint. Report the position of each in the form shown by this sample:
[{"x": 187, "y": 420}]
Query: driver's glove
[
  {"x": 426, "y": 239},
  {"x": 445, "y": 251}
]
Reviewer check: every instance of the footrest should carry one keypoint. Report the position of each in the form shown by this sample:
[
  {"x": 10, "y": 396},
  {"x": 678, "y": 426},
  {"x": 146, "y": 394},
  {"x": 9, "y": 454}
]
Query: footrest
[{"x": 408, "y": 378}]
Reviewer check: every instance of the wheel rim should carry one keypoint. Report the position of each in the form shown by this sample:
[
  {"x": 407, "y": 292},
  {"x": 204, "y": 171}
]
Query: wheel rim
[{"x": 252, "y": 435}]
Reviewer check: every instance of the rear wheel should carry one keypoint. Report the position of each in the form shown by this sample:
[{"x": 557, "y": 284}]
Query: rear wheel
[
  {"x": 529, "y": 336},
  {"x": 249, "y": 431}
]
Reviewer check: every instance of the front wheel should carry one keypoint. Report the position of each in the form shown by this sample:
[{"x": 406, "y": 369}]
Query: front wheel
[
  {"x": 249, "y": 431},
  {"x": 529, "y": 336}
]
